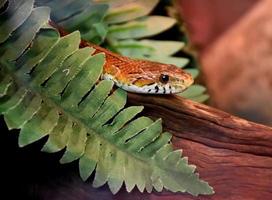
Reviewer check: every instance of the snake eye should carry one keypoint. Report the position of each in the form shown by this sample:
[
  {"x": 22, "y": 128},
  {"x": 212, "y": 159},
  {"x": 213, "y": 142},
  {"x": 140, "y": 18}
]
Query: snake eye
[{"x": 164, "y": 78}]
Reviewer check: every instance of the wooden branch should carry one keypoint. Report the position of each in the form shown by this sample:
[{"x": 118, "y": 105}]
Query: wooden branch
[{"x": 233, "y": 155}]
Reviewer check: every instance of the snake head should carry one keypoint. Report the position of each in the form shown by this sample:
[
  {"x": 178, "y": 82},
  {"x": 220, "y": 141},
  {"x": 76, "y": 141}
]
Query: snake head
[
  {"x": 142, "y": 76},
  {"x": 171, "y": 79},
  {"x": 157, "y": 78}
]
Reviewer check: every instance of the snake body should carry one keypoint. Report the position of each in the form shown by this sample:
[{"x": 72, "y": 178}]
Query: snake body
[{"x": 140, "y": 76}]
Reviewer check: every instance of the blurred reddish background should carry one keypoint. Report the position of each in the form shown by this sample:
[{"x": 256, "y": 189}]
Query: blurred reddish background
[
  {"x": 233, "y": 41},
  {"x": 208, "y": 19}
]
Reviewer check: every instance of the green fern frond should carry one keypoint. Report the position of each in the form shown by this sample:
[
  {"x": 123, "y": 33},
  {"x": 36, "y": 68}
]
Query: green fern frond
[
  {"x": 195, "y": 92},
  {"x": 80, "y": 15},
  {"x": 123, "y": 12},
  {"x": 154, "y": 50},
  {"x": 144, "y": 27},
  {"x": 50, "y": 87},
  {"x": 148, "y": 47}
]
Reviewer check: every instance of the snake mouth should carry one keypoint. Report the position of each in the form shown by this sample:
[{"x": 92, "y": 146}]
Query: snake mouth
[
  {"x": 151, "y": 89},
  {"x": 154, "y": 88}
]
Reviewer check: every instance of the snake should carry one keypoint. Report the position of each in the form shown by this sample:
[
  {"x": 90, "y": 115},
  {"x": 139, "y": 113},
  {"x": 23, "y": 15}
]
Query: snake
[{"x": 139, "y": 76}]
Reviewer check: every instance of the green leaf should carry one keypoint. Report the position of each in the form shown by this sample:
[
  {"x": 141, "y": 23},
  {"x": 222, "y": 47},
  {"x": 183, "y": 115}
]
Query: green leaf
[
  {"x": 164, "y": 47},
  {"x": 122, "y": 12},
  {"x": 134, "y": 48},
  {"x": 6, "y": 82},
  {"x": 158, "y": 51},
  {"x": 20, "y": 39},
  {"x": 179, "y": 62},
  {"x": 64, "y": 9},
  {"x": 193, "y": 91},
  {"x": 50, "y": 87},
  {"x": 23, "y": 111},
  {"x": 16, "y": 13},
  {"x": 54, "y": 58},
  {"x": 58, "y": 137},
  {"x": 89, "y": 74},
  {"x": 82, "y": 15},
  {"x": 193, "y": 72},
  {"x": 75, "y": 146},
  {"x": 40, "y": 125},
  {"x": 201, "y": 98},
  {"x": 89, "y": 22},
  {"x": 8, "y": 102},
  {"x": 143, "y": 27},
  {"x": 97, "y": 33}
]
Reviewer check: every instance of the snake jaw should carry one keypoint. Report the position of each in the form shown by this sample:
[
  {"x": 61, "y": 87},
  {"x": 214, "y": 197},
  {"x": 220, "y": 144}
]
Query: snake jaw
[{"x": 177, "y": 86}]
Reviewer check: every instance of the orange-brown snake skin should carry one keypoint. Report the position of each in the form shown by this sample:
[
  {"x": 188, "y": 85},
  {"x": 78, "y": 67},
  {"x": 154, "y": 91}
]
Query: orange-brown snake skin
[{"x": 140, "y": 76}]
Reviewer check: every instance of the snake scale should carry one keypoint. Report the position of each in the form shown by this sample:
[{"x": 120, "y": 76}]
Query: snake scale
[{"x": 139, "y": 76}]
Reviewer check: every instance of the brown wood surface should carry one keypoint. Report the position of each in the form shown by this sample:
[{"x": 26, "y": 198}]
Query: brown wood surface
[{"x": 233, "y": 155}]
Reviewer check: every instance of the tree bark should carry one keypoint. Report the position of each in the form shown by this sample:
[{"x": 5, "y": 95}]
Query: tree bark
[{"x": 232, "y": 154}]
